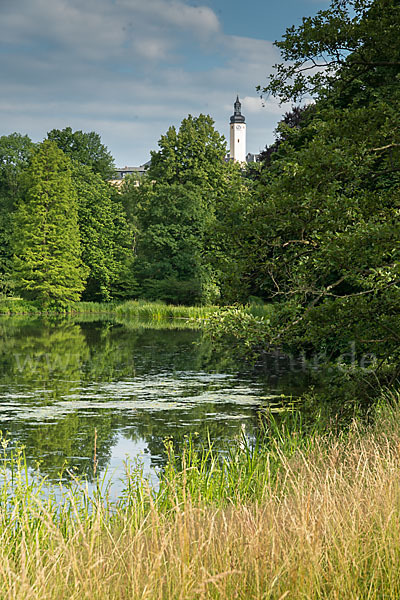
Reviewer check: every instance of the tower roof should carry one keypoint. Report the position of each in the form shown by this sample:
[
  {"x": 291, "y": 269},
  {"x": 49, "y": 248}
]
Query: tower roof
[{"x": 237, "y": 116}]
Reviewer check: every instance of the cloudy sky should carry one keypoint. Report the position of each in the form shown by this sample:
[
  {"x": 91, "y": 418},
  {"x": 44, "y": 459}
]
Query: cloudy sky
[{"x": 128, "y": 69}]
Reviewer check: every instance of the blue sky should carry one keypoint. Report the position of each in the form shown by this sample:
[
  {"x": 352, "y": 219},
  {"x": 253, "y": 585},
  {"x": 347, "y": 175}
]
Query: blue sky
[{"x": 128, "y": 69}]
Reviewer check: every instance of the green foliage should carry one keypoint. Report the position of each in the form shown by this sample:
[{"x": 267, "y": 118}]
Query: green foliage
[
  {"x": 236, "y": 328},
  {"x": 319, "y": 237},
  {"x": 86, "y": 149},
  {"x": 17, "y": 306},
  {"x": 124, "y": 284},
  {"x": 231, "y": 235},
  {"x": 15, "y": 152},
  {"x": 348, "y": 48},
  {"x": 327, "y": 234},
  {"x": 96, "y": 232},
  {"x": 194, "y": 154},
  {"x": 174, "y": 211},
  {"x": 172, "y": 222},
  {"x": 298, "y": 118},
  {"x": 94, "y": 307},
  {"x": 106, "y": 238},
  {"x": 47, "y": 263},
  {"x": 172, "y": 290}
]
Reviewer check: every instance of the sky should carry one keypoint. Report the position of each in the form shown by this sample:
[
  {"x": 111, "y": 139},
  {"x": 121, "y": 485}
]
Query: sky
[{"x": 129, "y": 69}]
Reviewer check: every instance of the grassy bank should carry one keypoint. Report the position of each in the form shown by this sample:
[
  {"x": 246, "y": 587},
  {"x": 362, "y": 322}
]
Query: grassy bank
[
  {"x": 133, "y": 310},
  {"x": 138, "y": 309},
  {"x": 158, "y": 311},
  {"x": 306, "y": 515},
  {"x": 18, "y": 306}
]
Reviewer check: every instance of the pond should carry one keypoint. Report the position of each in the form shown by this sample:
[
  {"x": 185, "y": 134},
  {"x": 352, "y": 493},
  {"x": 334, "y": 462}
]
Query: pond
[{"x": 74, "y": 387}]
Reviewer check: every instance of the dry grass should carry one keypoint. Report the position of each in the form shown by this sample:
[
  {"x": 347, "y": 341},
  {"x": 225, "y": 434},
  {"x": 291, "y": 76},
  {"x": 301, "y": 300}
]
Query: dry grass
[{"x": 325, "y": 525}]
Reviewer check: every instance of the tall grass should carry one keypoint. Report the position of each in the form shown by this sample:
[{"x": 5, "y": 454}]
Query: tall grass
[
  {"x": 304, "y": 516},
  {"x": 94, "y": 307},
  {"x": 135, "y": 323},
  {"x": 17, "y": 306},
  {"x": 158, "y": 311},
  {"x": 139, "y": 310}
]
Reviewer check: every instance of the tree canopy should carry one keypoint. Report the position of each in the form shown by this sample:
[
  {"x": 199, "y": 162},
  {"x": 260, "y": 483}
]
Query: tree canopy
[
  {"x": 349, "y": 47},
  {"x": 194, "y": 153},
  {"x": 15, "y": 153},
  {"x": 47, "y": 266},
  {"x": 104, "y": 234},
  {"x": 175, "y": 209},
  {"x": 86, "y": 149},
  {"x": 320, "y": 237}
]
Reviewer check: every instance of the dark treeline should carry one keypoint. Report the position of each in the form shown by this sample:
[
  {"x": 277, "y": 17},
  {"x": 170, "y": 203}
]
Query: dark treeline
[
  {"x": 320, "y": 234},
  {"x": 312, "y": 229}
]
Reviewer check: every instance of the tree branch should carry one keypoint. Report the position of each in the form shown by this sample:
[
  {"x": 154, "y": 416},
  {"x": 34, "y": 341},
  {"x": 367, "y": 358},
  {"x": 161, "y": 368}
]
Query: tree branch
[{"x": 385, "y": 147}]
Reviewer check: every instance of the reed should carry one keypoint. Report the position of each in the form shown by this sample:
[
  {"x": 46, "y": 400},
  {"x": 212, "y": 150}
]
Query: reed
[
  {"x": 93, "y": 307},
  {"x": 17, "y": 306},
  {"x": 305, "y": 514},
  {"x": 135, "y": 323},
  {"x": 161, "y": 312},
  {"x": 133, "y": 310},
  {"x": 158, "y": 311}
]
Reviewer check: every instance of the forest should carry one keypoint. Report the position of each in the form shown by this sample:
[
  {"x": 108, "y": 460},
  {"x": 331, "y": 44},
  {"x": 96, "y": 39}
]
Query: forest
[{"x": 311, "y": 231}]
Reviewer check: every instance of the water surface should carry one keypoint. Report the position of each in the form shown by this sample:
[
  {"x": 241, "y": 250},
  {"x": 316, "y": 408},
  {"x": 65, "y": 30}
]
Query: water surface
[{"x": 63, "y": 384}]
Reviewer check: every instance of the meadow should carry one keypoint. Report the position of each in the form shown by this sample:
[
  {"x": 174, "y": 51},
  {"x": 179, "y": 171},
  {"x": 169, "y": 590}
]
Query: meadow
[{"x": 305, "y": 512}]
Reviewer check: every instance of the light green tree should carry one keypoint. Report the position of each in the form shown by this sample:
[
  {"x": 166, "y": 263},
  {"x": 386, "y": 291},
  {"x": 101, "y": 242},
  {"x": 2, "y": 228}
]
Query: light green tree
[
  {"x": 47, "y": 265},
  {"x": 15, "y": 151},
  {"x": 194, "y": 153}
]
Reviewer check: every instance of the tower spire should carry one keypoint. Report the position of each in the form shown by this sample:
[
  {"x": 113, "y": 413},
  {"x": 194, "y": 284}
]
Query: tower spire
[{"x": 237, "y": 116}]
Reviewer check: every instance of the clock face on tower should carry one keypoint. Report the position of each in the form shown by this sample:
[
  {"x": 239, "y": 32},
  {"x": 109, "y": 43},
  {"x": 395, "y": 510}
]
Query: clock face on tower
[{"x": 238, "y": 127}]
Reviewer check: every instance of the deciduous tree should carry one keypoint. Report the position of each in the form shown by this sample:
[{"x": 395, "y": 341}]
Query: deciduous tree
[
  {"x": 175, "y": 209},
  {"x": 324, "y": 223},
  {"x": 106, "y": 238},
  {"x": 86, "y": 149}
]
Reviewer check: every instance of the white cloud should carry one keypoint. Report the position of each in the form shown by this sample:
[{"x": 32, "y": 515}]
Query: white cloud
[
  {"x": 123, "y": 68},
  {"x": 272, "y": 106},
  {"x": 252, "y": 104},
  {"x": 96, "y": 29}
]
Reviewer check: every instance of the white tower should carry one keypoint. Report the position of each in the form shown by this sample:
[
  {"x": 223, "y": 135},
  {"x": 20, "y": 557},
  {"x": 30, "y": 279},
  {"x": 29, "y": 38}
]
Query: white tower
[{"x": 238, "y": 134}]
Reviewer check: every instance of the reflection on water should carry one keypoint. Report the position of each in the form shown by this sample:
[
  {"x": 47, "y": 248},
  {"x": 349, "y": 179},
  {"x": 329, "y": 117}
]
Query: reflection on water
[{"x": 62, "y": 381}]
